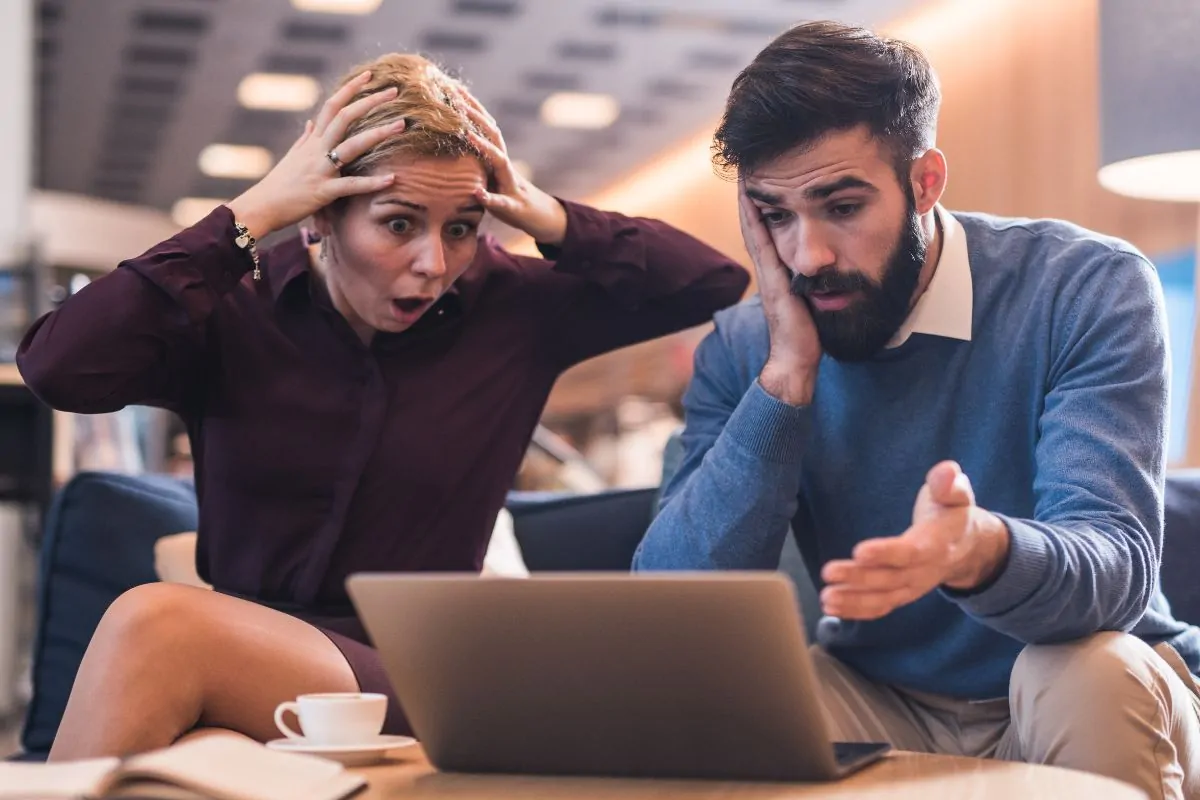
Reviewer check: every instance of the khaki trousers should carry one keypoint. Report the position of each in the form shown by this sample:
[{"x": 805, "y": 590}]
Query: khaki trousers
[{"x": 1108, "y": 704}]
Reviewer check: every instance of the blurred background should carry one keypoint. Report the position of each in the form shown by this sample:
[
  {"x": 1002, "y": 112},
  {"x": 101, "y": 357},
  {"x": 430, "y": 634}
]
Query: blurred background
[{"x": 124, "y": 120}]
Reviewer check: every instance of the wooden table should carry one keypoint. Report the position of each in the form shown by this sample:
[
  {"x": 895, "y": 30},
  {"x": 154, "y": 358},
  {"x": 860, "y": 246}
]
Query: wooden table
[{"x": 901, "y": 775}]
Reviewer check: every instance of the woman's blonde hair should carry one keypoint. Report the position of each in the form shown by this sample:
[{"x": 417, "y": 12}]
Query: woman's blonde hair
[{"x": 436, "y": 125}]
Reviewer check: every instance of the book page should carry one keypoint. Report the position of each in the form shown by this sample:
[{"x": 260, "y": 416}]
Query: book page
[
  {"x": 70, "y": 779},
  {"x": 231, "y": 767},
  {"x": 152, "y": 790}
]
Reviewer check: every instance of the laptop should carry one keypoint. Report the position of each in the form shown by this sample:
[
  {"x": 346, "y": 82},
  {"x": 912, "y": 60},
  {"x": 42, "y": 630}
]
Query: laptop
[{"x": 681, "y": 675}]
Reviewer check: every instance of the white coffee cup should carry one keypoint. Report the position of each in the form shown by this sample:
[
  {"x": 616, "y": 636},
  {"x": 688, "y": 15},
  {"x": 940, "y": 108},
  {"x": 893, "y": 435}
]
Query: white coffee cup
[{"x": 335, "y": 718}]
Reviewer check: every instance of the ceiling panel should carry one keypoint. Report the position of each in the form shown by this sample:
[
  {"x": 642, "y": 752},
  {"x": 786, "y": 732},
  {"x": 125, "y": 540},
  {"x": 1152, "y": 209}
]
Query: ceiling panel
[{"x": 130, "y": 91}]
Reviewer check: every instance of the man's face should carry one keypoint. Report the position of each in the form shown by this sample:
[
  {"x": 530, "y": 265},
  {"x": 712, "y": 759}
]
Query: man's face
[{"x": 851, "y": 235}]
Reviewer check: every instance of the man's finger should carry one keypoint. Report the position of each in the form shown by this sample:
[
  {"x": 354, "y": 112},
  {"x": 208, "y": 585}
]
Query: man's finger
[
  {"x": 949, "y": 485},
  {"x": 773, "y": 277},
  {"x": 864, "y": 605},
  {"x": 899, "y": 552},
  {"x": 853, "y": 576}
]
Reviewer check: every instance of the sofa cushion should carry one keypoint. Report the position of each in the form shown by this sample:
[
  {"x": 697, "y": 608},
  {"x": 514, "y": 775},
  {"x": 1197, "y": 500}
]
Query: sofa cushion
[
  {"x": 1181, "y": 545},
  {"x": 98, "y": 543}
]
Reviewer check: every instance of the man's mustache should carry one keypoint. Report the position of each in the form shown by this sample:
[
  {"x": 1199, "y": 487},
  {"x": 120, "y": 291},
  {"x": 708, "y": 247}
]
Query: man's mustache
[{"x": 830, "y": 281}]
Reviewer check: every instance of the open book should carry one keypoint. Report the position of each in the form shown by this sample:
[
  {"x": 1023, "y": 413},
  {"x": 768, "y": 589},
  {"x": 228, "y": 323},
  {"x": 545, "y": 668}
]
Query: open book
[{"x": 219, "y": 766}]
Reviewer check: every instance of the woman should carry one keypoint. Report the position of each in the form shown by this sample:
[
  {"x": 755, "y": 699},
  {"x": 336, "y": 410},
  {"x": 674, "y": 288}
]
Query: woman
[{"x": 359, "y": 405}]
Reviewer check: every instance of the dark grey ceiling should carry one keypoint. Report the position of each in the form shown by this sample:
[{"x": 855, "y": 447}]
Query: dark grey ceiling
[{"x": 130, "y": 91}]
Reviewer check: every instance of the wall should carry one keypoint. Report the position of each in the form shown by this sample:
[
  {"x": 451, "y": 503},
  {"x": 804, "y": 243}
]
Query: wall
[
  {"x": 16, "y": 126},
  {"x": 72, "y": 230},
  {"x": 1019, "y": 127}
]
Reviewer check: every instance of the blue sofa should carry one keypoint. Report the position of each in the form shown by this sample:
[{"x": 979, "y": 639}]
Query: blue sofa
[{"x": 101, "y": 529}]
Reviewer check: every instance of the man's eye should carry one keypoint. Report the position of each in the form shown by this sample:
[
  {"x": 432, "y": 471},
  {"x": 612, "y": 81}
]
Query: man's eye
[
  {"x": 845, "y": 209},
  {"x": 399, "y": 225},
  {"x": 773, "y": 218}
]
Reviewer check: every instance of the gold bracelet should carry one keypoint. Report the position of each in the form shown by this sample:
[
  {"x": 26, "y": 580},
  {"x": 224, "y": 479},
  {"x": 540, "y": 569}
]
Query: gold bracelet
[{"x": 248, "y": 243}]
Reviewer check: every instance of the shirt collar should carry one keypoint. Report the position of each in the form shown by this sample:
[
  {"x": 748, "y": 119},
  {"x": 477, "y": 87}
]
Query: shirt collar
[
  {"x": 945, "y": 308},
  {"x": 286, "y": 262}
]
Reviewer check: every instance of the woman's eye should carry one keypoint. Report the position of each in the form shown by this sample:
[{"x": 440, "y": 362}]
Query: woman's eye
[
  {"x": 399, "y": 225},
  {"x": 459, "y": 230}
]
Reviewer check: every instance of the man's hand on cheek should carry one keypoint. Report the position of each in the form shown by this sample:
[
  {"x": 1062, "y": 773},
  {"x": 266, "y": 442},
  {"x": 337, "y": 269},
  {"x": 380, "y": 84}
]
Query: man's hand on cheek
[{"x": 952, "y": 543}]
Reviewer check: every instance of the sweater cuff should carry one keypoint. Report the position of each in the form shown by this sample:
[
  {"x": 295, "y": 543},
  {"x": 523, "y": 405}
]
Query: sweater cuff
[
  {"x": 769, "y": 428},
  {"x": 1024, "y": 574}
]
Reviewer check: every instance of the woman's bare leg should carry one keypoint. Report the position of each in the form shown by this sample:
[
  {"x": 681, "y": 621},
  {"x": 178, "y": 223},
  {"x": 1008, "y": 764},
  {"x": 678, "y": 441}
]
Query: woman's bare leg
[{"x": 167, "y": 658}]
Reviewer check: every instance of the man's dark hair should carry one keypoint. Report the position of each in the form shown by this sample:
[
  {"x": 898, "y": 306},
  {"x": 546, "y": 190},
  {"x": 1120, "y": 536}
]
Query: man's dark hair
[{"x": 822, "y": 77}]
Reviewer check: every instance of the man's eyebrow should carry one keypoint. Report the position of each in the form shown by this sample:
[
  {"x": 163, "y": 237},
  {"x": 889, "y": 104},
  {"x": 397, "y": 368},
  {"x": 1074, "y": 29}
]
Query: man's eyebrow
[
  {"x": 848, "y": 182},
  {"x": 763, "y": 197}
]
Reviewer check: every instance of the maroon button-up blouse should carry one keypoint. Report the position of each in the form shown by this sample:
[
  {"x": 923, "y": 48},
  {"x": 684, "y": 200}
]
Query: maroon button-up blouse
[{"x": 317, "y": 456}]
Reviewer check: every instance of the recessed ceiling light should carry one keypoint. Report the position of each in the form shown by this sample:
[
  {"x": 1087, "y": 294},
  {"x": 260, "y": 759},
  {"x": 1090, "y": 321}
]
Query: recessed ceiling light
[
  {"x": 580, "y": 110},
  {"x": 235, "y": 161},
  {"x": 276, "y": 91},
  {"x": 187, "y": 211},
  {"x": 337, "y": 6}
]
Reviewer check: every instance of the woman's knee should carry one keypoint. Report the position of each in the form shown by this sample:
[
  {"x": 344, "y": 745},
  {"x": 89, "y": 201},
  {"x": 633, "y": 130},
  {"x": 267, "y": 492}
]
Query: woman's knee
[{"x": 152, "y": 620}]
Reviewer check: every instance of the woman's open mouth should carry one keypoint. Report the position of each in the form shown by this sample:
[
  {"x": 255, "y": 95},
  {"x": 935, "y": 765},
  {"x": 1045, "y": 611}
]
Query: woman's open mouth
[{"x": 408, "y": 309}]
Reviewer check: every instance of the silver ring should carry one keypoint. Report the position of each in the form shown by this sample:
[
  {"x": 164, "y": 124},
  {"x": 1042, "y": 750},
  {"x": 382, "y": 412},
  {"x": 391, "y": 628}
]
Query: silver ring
[{"x": 333, "y": 159}]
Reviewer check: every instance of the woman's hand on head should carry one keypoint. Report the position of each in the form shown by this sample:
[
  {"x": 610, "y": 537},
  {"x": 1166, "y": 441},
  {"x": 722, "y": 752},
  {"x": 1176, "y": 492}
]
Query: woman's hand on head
[
  {"x": 516, "y": 201},
  {"x": 306, "y": 178}
]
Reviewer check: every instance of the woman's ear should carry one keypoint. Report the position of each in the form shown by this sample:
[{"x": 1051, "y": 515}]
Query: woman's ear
[{"x": 322, "y": 222}]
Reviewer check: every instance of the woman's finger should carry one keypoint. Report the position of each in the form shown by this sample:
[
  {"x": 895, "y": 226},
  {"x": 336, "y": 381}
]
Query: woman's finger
[
  {"x": 496, "y": 203},
  {"x": 487, "y": 126},
  {"x": 335, "y": 132},
  {"x": 497, "y": 159},
  {"x": 473, "y": 103},
  {"x": 360, "y": 184},
  {"x": 304, "y": 134},
  {"x": 364, "y": 141},
  {"x": 338, "y": 100}
]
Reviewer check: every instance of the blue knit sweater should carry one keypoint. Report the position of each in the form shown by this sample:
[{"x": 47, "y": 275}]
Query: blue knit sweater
[{"x": 1055, "y": 409}]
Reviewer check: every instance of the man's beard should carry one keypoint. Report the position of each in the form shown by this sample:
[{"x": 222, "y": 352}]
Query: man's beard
[{"x": 861, "y": 330}]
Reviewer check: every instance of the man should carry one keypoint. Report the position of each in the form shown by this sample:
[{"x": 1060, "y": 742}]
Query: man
[{"x": 894, "y": 350}]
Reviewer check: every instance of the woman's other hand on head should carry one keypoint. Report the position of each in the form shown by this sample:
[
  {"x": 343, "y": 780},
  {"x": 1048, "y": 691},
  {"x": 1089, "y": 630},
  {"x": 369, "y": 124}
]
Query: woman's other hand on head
[{"x": 516, "y": 201}]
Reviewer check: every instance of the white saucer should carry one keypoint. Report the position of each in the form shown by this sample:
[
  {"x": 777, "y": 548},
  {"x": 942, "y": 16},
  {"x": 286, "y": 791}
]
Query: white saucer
[{"x": 352, "y": 755}]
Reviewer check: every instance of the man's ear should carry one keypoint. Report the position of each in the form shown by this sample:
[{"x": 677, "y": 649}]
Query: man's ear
[{"x": 927, "y": 176}]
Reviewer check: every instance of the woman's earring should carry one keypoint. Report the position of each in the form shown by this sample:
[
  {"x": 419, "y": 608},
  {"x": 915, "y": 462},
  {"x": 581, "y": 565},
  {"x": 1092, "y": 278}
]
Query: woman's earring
[{"x": 324, "y": 251}]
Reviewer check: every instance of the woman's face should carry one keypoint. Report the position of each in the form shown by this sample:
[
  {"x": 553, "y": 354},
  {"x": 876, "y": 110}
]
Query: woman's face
[{"x": 391, "y": 255}]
